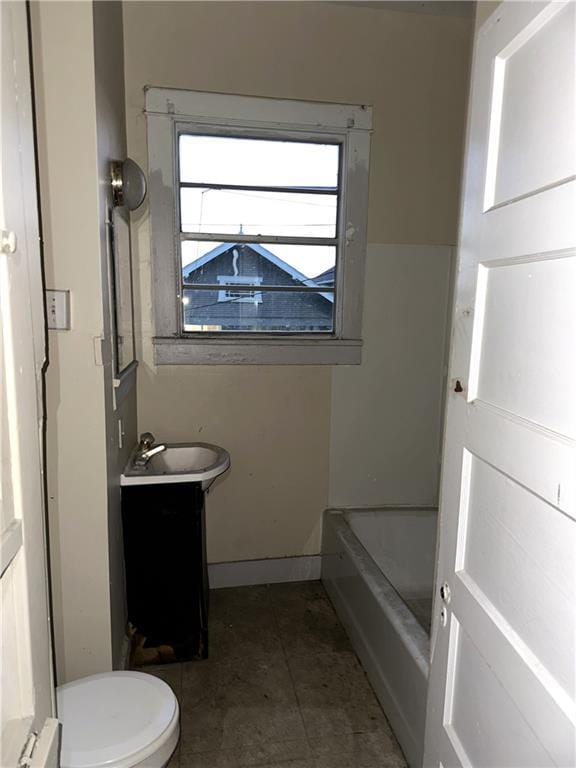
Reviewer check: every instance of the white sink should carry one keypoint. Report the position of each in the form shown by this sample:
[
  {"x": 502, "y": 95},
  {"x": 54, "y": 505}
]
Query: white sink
[{"x": 179, "y": 463}]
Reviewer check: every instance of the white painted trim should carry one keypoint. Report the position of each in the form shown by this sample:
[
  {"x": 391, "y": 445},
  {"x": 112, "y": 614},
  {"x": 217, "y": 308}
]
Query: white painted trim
[
  {"x": 10, "y": 544},
  {"x": 46, "y": 746},
  {"x": 382, "y": 508},
  {"x": 167, "y": 110},
  {"x": 202, "y": 106},
  {"x": 258, "y": 351},
  {"x": 276, "y": 570},
  {"x": 125, "y": 653},
  {"x": 124, "y": 383}
]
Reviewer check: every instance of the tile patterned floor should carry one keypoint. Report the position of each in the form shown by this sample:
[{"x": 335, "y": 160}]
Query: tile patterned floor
[{"x": 282, "y": 688}]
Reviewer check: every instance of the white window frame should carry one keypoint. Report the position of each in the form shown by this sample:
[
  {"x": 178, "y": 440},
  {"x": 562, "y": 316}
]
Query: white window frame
[{"x": 170, "y": 111}]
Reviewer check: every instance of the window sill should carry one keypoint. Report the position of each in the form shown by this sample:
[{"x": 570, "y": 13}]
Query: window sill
[{"x": 289, "y": 351}]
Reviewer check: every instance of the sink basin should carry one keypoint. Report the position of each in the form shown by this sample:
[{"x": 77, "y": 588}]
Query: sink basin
[{"x": 179, "y": 463}]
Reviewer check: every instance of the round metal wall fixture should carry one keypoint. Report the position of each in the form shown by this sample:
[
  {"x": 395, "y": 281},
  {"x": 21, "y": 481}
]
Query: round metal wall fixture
[{"x": 128, "y": 184}]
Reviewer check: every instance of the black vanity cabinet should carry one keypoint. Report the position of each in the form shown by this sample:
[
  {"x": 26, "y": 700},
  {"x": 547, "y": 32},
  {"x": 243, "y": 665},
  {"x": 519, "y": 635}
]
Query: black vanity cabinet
[{"x": 166, "y": 571}]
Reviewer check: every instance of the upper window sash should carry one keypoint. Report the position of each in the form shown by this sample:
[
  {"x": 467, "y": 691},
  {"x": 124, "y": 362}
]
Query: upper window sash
[{"x": 339, "y": 140}]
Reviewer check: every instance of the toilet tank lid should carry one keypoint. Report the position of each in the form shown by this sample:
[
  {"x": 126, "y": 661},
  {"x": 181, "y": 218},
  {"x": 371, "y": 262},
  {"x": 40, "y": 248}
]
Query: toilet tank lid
[{"x": 110, "y": 717}]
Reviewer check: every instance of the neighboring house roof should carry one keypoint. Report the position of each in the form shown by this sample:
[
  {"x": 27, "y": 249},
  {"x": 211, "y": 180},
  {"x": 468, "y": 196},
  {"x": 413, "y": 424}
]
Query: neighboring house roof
[
  {"x": 326, "y": 278},
  {"x": 261, "y": 251}
]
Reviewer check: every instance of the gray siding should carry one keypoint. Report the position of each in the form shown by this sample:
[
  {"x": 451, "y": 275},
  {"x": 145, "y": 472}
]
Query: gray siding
[{"x": 279, "y": 311}]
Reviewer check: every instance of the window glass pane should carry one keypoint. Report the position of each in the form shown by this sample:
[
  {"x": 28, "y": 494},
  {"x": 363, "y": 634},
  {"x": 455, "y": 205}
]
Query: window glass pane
[
  {"x": 247, "y": 310},
  {"x": 251, "y": 212},
  {"x": 258, "y": 162},
  {"x": 265, "y": 264}
]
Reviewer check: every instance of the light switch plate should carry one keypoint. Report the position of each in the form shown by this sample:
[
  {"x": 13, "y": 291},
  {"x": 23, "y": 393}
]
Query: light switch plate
[{"x": 58, "y": 310}]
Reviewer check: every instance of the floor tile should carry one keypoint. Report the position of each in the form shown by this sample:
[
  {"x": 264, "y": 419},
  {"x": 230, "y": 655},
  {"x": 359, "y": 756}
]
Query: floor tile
[
  {"x": 311, "y": 630},
  {"x": 334, "y": 695},
  {"x": 174, "y": 761},
  {"x": 282, "y": 753},
  {"x": 244, "y": 681},
  {"x": 225, "y": 729},
  {"x": 232, "y": 638},
  {"x": 281, "y": 689},
  {"x": 220, "y": 760},
  {"x": 291, "y": 764},
  {"x": 307, "y": 622},
  {"x": 359, "y": 750},
  {"x": 240, "y": 602},
  {"x": 170, "y": 673},
  {"x": 242, "y": 624},
  {"x": 291, "y": 592},
  {"x": 237, "y": 704}
]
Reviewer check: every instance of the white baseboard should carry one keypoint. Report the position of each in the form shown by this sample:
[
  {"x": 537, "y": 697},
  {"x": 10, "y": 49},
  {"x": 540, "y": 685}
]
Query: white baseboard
[{"x": 276, "y": 570}]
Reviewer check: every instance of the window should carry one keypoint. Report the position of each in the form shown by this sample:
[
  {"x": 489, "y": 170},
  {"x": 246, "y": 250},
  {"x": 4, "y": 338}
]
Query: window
[
  {"x": 238, "y": 295},
  {"x": 258, "y": 214}
]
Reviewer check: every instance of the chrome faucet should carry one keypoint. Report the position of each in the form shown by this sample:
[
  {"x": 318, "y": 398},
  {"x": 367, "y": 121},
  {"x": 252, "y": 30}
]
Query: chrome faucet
[{"x": 146, "y": 449}]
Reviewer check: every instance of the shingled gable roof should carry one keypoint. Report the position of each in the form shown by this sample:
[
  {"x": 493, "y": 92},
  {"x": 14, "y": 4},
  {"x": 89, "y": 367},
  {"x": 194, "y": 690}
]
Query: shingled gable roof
[
  {"x": 261, "y": 251},
  {"x": 326, "y": 278}
]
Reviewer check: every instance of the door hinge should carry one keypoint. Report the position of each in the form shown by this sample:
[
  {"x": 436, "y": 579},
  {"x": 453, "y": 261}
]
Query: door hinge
[
  {"x": 42, "y": 747},
  {"x": 26, "y": 756}
]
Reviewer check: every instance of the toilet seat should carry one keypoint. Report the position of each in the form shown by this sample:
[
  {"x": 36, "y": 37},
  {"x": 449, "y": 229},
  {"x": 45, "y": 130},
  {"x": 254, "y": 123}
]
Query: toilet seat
[{"x": 116, "y": 720}]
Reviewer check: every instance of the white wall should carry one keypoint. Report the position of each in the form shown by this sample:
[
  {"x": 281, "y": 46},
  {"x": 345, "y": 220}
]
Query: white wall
[
  {"x": 276, "y": 421},
  {"x": 386, "y": 413},
  {"x": 79, "y": 99},
  {"x": 484, "y": 8},
  {"x": 402, "y": 542}
]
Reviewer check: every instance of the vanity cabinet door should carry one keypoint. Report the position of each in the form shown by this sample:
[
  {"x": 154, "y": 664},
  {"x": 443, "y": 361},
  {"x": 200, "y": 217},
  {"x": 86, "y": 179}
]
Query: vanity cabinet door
[{"x": 166, "y": 572}]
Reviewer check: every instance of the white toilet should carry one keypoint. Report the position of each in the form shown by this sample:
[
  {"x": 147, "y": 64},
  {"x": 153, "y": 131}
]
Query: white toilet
[{"x": 117, "y": 720}]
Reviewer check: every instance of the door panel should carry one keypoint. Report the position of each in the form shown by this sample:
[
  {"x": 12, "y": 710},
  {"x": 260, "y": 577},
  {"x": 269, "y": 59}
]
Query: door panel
[
  {"x": 533, "y": 100},
  {"x": 519, "y": 444},
  {"x": 486, "y": 727},
  {"x": 502, "y": 681},
  {"x": 516, "y": 550},
  {"x": 523, "y": 306}
]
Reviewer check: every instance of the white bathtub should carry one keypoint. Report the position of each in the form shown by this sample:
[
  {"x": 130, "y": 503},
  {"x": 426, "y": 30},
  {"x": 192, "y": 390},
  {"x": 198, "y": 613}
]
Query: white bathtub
[{"x": 378, "y": 569}]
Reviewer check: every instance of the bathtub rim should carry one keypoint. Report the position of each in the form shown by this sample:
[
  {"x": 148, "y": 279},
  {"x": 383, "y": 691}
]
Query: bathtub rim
[{"x": 413, "y": 635}]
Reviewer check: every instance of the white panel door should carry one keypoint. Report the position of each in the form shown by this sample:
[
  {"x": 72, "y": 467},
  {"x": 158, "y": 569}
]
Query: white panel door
[
  {"x": 503, "y": 674},
  {"x": 29, "y": 735}
]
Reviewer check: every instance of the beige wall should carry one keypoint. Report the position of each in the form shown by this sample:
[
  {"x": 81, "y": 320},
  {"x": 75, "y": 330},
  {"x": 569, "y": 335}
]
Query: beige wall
[
  {"x": 413, "y": 69},
  {"x": 77, "y": 127}
]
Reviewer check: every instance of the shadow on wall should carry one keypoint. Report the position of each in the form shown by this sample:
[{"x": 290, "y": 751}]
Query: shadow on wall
[{"x": 387, "y": 413}]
